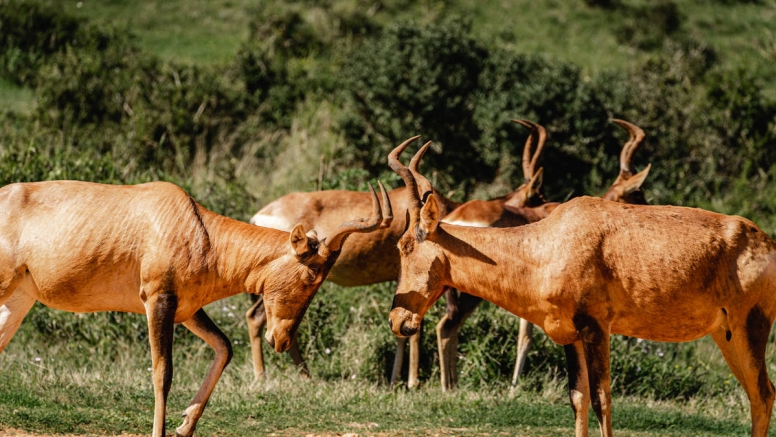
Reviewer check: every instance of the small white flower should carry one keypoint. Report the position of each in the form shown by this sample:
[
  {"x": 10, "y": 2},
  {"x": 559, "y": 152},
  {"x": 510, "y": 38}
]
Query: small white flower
[
  {"x": 79, "y": 4},
  {"x": 37, "y": 359},
  {"x": 328, "y": 351},
  {"x": 352, "y": 376},
  {"x": 150, "y": 369},
  {"x": 231, "y": 314}
]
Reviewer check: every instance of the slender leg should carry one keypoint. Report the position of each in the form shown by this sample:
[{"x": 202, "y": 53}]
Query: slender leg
[
  {"x": 257, "y": 319},
  {"x": 745, "y": 354},
  {"x": 459, "y": 307},
  {"x": 201, "y": 325},
  {"x": 595, "y": 344},
  {"x": 579, "y": 386},
  {"x": 524, "y": 341},
  {"x": 398, "y": 360},
  {"x": 296, "y": 356},
  {"x": 12, "y": 314},
  {"x": 412, "y": 376},
  {"x": 160, "y": 310}
]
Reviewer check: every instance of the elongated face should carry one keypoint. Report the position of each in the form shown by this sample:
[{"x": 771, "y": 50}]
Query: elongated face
[
  {"x": 291, "y": 285},
  {"x": 424, "y": 272},
  {"x": 294, "y": 278}
]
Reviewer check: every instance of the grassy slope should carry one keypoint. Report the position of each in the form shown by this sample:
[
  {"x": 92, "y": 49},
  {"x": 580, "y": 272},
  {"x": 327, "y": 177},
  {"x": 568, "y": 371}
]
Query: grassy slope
[
  {"x": 743, "y": 34},
  {"x": 205, "y": 32},
  {"x": 197, "y": 31}
]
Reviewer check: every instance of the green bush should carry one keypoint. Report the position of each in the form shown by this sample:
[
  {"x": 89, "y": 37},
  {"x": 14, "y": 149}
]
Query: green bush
[
  {"x": 415, "y": 80},
  {"x": 647, "y": 27},
  {"x": 31, "y": 32}
]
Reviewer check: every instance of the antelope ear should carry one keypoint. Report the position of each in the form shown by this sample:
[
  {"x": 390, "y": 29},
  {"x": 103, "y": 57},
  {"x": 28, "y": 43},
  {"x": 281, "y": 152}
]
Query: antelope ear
[
  {"x": 298, "y": 241},
  {"x": 429, "y": 218},
  {"x": 536, "y": 182},
  {"x": 634, "y": 182}
]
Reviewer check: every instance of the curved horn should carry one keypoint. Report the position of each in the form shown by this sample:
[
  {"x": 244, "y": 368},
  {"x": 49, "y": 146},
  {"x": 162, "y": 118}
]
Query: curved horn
[
  {"x": 414, "y": 203},
  {"x": 539, "y": 135},
  {"x": 424, "y": 185},
  {"x": 387, "y": 208},
  {"x": 527, "y": 172},
  {"x": 539, "y": 146},
  {"x": 363, "y": 225},
  {"x": 636, "y": 137}
]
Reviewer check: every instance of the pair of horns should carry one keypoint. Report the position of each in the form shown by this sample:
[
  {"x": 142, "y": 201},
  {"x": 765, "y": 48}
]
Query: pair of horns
[
  {"x": 417, "y": 184},
  {"x": 636, "y": 137},
  {"x": 381, "y": 218},
  {"x": 539, "y": 136}
]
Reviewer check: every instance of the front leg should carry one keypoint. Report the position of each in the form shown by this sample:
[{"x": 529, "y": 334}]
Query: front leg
[
  {"x": 524, "y": 340},
  {"x": 595, "y": 343},
  {"x": 579, "y": 386},
  {"x": 201, "y": 325},
  {"x": 160, "y": 311},
  {"x": 398, "y": 360},
  {"x": 256, "y": 317},
  {"x": 412, "y": 376}
]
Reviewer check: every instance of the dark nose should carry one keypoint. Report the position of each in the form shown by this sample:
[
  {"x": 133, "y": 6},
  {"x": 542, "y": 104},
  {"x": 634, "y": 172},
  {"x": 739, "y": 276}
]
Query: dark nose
[
  {"x": 282, "y": 347},
  {"x": 407, "y": 331},
  {"x": 271, "y": 341}
]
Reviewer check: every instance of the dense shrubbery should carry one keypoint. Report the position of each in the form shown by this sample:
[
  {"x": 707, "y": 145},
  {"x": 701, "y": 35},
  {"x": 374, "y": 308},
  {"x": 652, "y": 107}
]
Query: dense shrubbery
[{"x": 108, "y": 112}]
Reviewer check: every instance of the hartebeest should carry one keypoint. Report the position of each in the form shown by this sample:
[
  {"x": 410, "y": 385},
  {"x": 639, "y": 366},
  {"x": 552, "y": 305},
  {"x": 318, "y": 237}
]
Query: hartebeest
[
  {"x": 365, "y": 258},
  {"x": 83, "y": 247},
  {"x": 522, "y": 206},
  {"x": 373, "y": 258},
  {"x": 595, "y": 268},
  {"x": 625, "y": 189}
]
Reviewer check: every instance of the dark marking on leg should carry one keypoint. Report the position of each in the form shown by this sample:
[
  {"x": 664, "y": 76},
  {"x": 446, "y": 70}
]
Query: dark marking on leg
[
  {"x": 451, "y": 298},
  {"x": 588, "y": 328},
  {"x": 758, "y": 326},
  {"x": 573, "y": 367}
]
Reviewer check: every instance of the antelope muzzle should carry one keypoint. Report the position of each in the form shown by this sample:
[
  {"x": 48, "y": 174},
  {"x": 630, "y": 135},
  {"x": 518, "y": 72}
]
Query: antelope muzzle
[{"x": 403, "y": 323}]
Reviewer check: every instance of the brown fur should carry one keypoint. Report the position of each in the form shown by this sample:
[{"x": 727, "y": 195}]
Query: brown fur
[
  {"x": 661, "y": 273},
  {"x": 365, "y": 258},
  {"x": 596, "y": 267},
  {"x": 151, "y": 249}
]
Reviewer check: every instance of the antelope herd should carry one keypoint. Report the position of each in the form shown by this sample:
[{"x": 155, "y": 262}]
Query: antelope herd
[{"x": 581, "y": 270}]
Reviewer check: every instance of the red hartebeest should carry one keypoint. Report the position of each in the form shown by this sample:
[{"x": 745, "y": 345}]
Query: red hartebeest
[
  {"x": 524, "y": 205},
  {"x": 625, "y": 189},
  {"x": 365, "y": 259},
  {"x": 594, "y": 268},
  {"x": 150, "y": 248},
  {"x": 373, "y": 258}
]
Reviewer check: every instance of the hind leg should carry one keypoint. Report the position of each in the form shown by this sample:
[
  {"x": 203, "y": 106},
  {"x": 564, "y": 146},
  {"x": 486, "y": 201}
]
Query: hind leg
[
  {"x": 745, "y": 354},
  {"x": 12, "y": 314}
]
